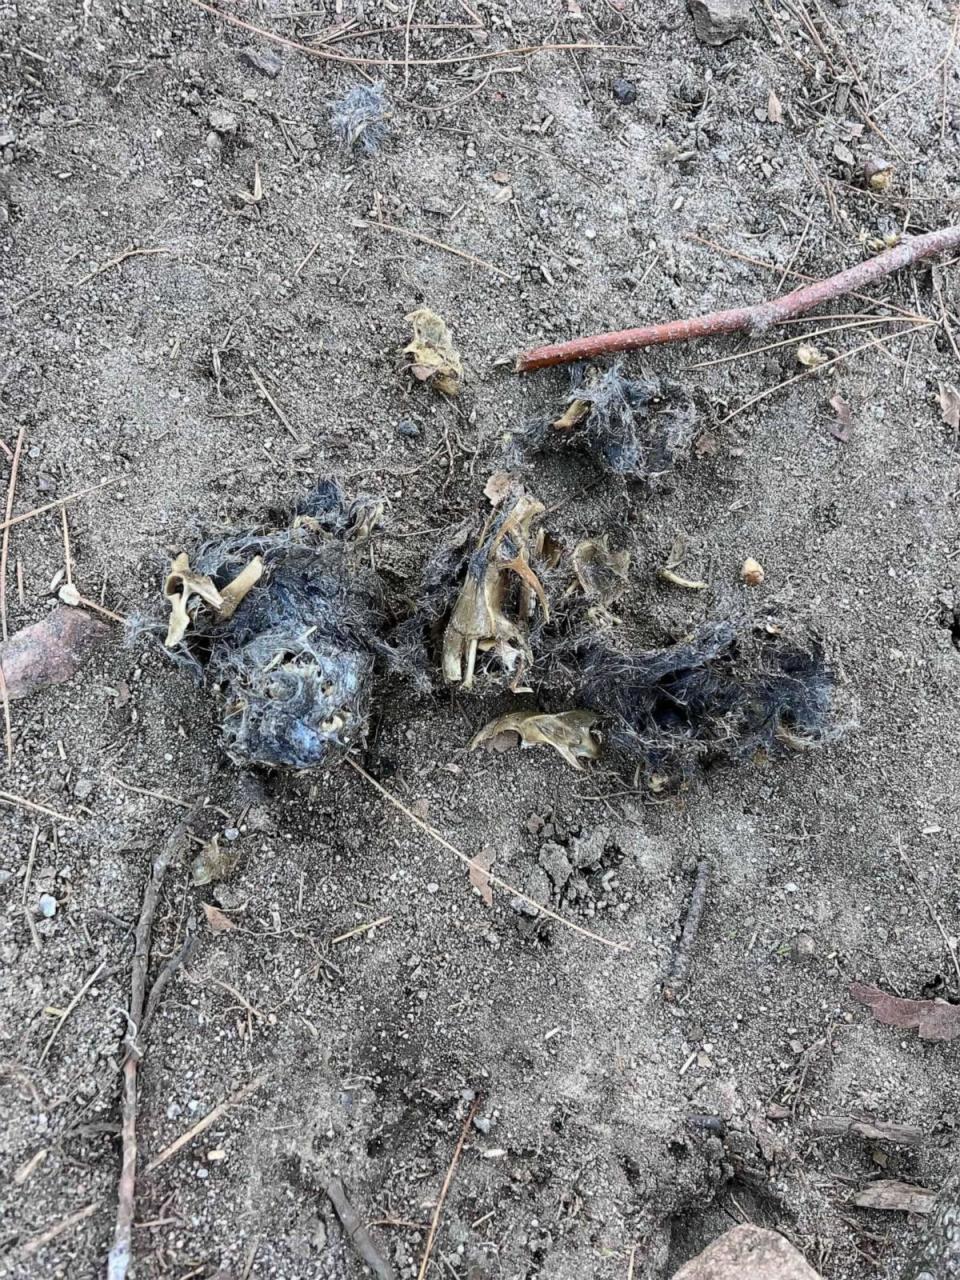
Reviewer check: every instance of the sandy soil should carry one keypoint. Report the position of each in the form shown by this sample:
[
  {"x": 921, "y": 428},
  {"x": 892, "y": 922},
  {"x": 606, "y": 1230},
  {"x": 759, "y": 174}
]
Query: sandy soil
[{"x": 373, "y": 1049}]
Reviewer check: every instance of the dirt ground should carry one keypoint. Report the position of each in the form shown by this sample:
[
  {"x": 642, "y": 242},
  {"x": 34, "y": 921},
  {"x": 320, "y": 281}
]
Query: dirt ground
[{"x": 586, "y": 1157}]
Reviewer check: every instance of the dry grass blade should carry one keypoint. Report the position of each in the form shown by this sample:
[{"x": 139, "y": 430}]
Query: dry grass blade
[
  {"x": 7, "y": 797},
  {"x": 10, "y": 521},
  {"x": 115, "y": 262},
  {"x": 68, "y": 1010},
  {"x": 36, "y": 1243},
  {"x": 844, "y": 355},
  {"x": 439, "y": 244},
  {"x": 5, "y": 546},
  {"x": 329, "y": 55},
  {"x": 434, "y": 834}
]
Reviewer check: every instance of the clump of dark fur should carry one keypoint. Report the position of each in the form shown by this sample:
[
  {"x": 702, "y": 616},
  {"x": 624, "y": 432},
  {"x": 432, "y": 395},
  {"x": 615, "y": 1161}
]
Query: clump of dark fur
[
  {"x": 728, "y": 693},
  {"x": 359, "y": 118},
  {"x": 631, "y": 427},
  {"x": 294, "y": 665}
]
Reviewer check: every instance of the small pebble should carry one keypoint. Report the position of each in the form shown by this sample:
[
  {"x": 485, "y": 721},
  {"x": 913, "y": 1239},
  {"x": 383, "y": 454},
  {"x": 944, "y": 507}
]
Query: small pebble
[
  {"x": 47, "y": 906},
  {"x": 482, "y": 1123},
  {"x": 624, "y": 91},
  {"x": 231, "y": 833},
  {"x": 433, "y": 887}
]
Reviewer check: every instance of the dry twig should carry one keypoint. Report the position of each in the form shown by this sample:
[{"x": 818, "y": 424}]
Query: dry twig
[
  {"x": 357, "y": 1233},
  {"x": 754, "y": 319},
  {"x": 10, "y": 521},
  {"x": 680, "y": 965},
  {"x": 118, "y": 1261},
  {"x": 439, "y": 244},
  {"x": 435, "y": 1220},
  {"x": 69, "y": 1009},
  {"x": 115, "y": 262}
]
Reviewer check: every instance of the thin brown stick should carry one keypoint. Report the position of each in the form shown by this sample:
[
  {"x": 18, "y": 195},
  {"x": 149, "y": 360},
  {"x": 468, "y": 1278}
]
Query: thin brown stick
[
  {"x": 948, "y": 942},
  {"x": 68, "y": 1010},
  {"x": 265, "y": 395},
  {"x": 434, "y": 834},
  {"x": 211, "y": 1118},
  {"x": 5, "y": 545},
  {"x": 7, "y": 728},
  {"x": 357, "y": 1233},
  {"x": 680, "y": 965},
  {"x": 439, "y": 244},
  {"x": 115, "y": 262},
  {"x": 754, "y": 319},
  {"x": 36, "y": 1243},
  {"x": 119, "y": 1258},
  {"x": 907, "y": 1135},
  {"x": 10, "y": 521},
  {"x": 435, "y": 1220},
  {"x": 7, "y": 797},
  {"x": 329, "y": 55}
]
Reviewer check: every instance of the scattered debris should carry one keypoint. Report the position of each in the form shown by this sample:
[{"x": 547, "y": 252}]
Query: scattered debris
[
  {"x": 932, "y": 1019},
  {"x": 500, "y": 485},
  {"x": 751, "y": 571},
  {"x": 50, "y": 651},
  {"x": 938, "y": 1253},
  {"x": 222, "y": 121},
  {"x": 774, "y": 109},
  {"x": 748, "y": 1253},
  {"x": 212, "y": 863},
  {"x": 637, "y": 428},
  {"x": 840, "y": 430},
  {"x": 568, "y": 732},
  {"x": 809, "y": 356},
  {"x": 718, "y": 21},
  {"x": 499, "y": 597},
  {"x": 431, "y": 356},
  {"x": 263, "y": 60},
  {"x": 357, "y": 1233},
  {"x": 877, "y": 173},
  {"x": 287, "y": 629},
  {"x": 895, "y": 1197},
  {"x": 907, "y": 1135},
  {"x": 680, "y": 964},
  {"x": 480, "y": 865},
  {"x": 756, "y": 319},
  {"x": 359, "y": 118},
  {"x": 603, "y": 574},
  {"x": 435, "y": 1220}
]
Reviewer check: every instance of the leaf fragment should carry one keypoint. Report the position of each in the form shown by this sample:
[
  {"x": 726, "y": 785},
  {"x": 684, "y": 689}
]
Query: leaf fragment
[
  {"x": 840, "y": 430},
  {"x": 498, "y": 487},
  {"x": 810, "y": 356},
  {"x": 601, "y": 573},
  {"x": 218, "y": 922},
  {"x": 212, "y": 863},
  {"x": 932, "y": 1019},
  {"x": 431, "y": 356},
  {"x": 774, "y": 109},
  {"x": 568, "y": 732},
  {"x": 480, "y": 865}
]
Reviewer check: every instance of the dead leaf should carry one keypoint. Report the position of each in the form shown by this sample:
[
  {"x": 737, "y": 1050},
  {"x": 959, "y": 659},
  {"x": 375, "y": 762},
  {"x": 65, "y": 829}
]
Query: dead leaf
[
  {"x": 949, "y": 398},
  {"x": 840, "y": 430},
  {"x": 218, "y": 922},
  {"x": 431, "y": 356},
  {"x": 933, "y": 1019},
  {"x": 810, "y": 356},
  {"x": 480, "y": 865},
  {"x": 568, "y": 732},
  {"x": 774, "y": 109},
  {"x": 502, "y": 196},
  {"x": 497, "y": 487},
  {"x": 705, "y": 445},
  {"x": 843, "y": 153},
  {"x": 898, "y": 1196}
]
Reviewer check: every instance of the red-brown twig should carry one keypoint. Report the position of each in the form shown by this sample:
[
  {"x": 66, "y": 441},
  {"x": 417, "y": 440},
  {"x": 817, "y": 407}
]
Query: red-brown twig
[{"x": 755, "y": 319}]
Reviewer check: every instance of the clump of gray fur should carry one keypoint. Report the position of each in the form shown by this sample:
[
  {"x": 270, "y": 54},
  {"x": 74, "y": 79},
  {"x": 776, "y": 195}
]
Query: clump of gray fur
[
  {"x": 293, "y": 667},
  {"x": 359, "y": 118},
  {"x": 631, "y": 427}
]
